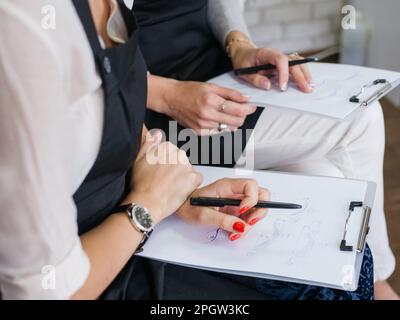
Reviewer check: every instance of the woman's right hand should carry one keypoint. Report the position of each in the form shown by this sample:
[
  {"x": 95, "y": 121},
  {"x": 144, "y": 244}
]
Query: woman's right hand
[
  {"x": 197, "y": 105},
  {"x": 162, "y": 178},
  {"x": 202, "y": 106}
]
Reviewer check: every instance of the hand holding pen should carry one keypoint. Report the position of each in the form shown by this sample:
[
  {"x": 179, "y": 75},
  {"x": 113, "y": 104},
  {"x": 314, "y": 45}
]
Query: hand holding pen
[
  {"x": 252, "y": 57},
  {"x": 236, "y": 219}
]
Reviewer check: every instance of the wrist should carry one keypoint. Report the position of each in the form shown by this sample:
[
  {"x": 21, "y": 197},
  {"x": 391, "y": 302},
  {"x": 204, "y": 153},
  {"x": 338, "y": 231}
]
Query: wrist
[
  {"x": 144, "y": 200},
  {"x": 160, "y": 93},
  {"x": 237, "y": 41}
]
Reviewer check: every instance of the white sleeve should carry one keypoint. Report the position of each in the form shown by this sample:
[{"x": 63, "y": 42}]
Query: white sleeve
[
  {"x": 41, "y": 256},
  {"x": 226, "y": 16}
]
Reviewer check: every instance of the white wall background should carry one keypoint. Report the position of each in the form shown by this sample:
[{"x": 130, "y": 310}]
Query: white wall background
[
  {"x": 294, "y": 25},
  {"x": 308, "y": 25},
  {"x": 383, "y": 21}
]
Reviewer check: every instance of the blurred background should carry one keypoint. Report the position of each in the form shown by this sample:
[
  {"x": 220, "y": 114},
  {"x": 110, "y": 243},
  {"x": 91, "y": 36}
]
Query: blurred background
[{"x": 309, "y": 26}]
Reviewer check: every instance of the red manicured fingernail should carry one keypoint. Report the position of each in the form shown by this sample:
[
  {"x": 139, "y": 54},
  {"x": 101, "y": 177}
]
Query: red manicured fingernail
[
  {"x": 239, "y": 226},
  {"x": 243, "y": 210},
  {"x": 235, "y": 237},
  {"x": 254, "y": 221}
]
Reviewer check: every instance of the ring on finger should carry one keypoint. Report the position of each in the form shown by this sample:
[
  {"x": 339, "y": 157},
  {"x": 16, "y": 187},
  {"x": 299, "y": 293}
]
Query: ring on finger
[
  {"x": 295, "y": 56},
  {"x": 222, "y": 127},
  {"x": 222, "y": 106}
]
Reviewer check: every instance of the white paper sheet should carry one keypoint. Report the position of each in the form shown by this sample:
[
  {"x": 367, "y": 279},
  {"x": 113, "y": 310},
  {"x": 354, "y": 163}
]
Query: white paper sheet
[
  {"x": 333, "y": 85},
  {"x": 295, "y": 245}
]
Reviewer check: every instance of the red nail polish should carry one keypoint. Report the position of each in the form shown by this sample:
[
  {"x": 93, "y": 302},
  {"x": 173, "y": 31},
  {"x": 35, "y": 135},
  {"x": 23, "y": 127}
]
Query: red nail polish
[
  {"x": 239, "y": 226},
  {"x": 254, "y": 221},
  {"x": 243, "y": 210},
  {"x": 235, "y": 237}
]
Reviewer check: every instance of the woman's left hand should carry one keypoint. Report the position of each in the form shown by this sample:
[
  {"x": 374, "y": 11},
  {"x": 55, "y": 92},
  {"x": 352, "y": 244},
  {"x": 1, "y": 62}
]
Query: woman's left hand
[
  {"x": 235, "y": 220},
  {"x": 244, "y": 54}
]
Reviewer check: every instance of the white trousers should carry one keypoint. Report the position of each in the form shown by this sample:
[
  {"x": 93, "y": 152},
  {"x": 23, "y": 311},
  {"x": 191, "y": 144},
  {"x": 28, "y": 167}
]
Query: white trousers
[{"x": 287, "y": 140}]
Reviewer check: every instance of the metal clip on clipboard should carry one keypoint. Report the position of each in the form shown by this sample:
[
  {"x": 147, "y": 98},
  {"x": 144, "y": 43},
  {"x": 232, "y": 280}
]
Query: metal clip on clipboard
[
  {"x": 375, "y": 96},
  {"x": 362, "y": 235}
]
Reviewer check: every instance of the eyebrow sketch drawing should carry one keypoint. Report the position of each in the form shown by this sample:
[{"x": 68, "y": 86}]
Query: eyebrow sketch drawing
[
  {"x": 309, "y": 235},
  {"x": 280, "y": 227},
  {"x": 284, "y": 228},
  {"x": 213, "y": 235}
]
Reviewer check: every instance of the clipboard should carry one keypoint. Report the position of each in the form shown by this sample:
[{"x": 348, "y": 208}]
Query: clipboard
[
  {"x": 339, "y": 90},
  {"x": 303, "y": 247},
  {"x": 376, "y": 95}
]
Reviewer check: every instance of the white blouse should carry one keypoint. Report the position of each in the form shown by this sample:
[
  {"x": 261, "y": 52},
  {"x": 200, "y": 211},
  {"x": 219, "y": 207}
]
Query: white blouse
[{"x": 51, "y": 119}]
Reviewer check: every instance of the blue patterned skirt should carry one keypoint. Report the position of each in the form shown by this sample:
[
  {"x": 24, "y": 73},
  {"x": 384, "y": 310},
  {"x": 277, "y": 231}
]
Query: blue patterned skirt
[
  {"x": 293, "y": 291},
  {"x": 149, "y": 279}
]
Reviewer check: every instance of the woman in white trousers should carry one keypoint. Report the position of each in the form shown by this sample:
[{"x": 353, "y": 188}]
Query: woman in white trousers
[
  {"x": 285, "y": 140},
  {"x": 292, "y": 141}
]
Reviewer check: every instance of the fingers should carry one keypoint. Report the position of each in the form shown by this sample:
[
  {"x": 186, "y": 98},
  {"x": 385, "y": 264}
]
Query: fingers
[
  {"x": 253, "y": 216},
  {"x": 230, "y": 94},
  {"x": 247, "y": 188},
  {"x": 281, "y": 62},
  {"x": 152, "y": 139},
  {"x": 207, "y": 124},
  {"x": 250, "y": 192},
  {"x": 306, "y": 72},
  {"x": 257, "y": 80},
  {"x": 167, "y": 153},
  {"x": 300, "y": 74},
  {"x": 282, "y": 66},
  {"x": 233, "y": 114},
  {"x": 228, "y": 218},
  {"x": 221, "y": 117},
  {"x": 257, "y": 214},
  {"x": 239, "y": 110},
  {"x": 227, "y": 222},
  {"x": 300, "y": 79}
]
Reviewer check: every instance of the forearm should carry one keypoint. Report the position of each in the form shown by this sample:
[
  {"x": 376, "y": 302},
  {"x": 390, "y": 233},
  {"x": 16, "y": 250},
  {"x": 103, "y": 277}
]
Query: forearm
[
  {"x": 158, "y": 90},
  {"x": 108, "y": 247},
  {"x": 225, "y": 16}
]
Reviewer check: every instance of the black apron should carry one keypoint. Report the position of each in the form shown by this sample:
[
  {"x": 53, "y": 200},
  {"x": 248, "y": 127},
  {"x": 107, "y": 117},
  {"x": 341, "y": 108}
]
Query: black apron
[
  {"x": 123, "y": 72},
  {"x": 177, "y": 42},
  {"x": 124, "y": 76}
]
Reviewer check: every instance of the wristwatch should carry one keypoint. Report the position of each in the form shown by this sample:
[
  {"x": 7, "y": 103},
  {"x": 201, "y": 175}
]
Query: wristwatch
[{"x": 140, "y": 219}]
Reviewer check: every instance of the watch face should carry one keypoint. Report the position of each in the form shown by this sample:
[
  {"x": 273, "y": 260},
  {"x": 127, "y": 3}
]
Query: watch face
[{"x": 143, "y": 218}]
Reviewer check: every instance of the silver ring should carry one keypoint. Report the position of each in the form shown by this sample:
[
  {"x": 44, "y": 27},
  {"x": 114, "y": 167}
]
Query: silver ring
[
  {"x": 222, "y": 106},
  {"x": 222, "y": 127},
  {"x": 294, "y": 55}
]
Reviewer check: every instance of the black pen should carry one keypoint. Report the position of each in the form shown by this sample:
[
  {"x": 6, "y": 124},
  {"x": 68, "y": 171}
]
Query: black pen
[
  {"x": 222, "y": 202},
  {"x": 269, "y": 66}
]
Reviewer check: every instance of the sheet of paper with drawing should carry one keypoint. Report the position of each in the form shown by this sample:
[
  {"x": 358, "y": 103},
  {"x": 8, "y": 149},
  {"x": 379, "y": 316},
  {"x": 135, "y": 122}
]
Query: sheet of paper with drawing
[
  {"x": 334, "y": 85},
  {"x": 293, "y": 245}
]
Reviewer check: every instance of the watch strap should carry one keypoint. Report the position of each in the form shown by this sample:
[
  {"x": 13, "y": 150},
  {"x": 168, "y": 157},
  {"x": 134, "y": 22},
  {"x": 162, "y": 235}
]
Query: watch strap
[
  {"x": 122, "y": 208},
  {"x": 146, "y": 236},
  {"x": 126, "y": 209}
]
